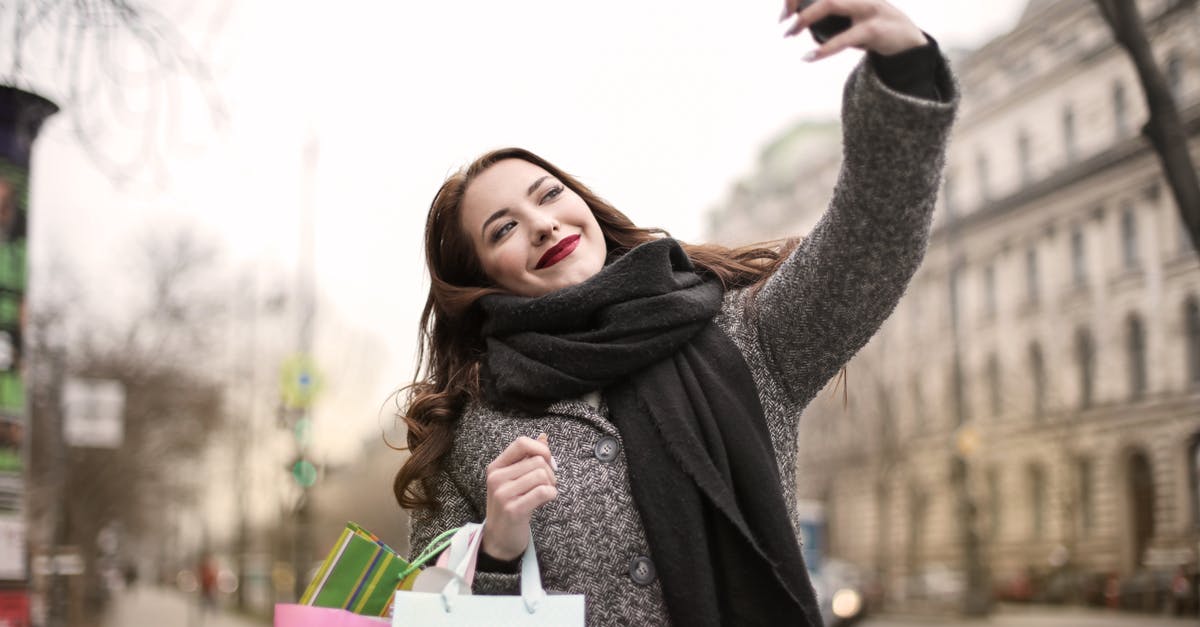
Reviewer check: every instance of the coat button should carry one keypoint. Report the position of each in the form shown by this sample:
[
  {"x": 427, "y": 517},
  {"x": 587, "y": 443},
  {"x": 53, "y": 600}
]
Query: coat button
[
  {"x": 641, "y": 570},
  {"x": 606, "y": 449}
]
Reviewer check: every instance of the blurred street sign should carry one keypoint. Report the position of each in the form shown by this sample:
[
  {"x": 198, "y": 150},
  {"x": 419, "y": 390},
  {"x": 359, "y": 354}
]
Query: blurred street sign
[
  {"x": 12, "y": 547},
  {"x": 93, "y": 413},
  {"x": 298, "y": 382},
  {"x": 8, "y": 351},
  {"x": 303, "y": 432},
  {"x": 69, "y": 562},
  {"x": 304, "y": 472}
]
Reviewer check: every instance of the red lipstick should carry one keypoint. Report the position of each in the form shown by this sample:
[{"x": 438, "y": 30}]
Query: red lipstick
[{"x": 558, "y": 252}]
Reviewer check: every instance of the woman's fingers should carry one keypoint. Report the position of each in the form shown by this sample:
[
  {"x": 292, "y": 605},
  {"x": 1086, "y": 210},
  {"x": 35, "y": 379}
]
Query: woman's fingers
[
  {"x": 519, "y": 497},
  {"x": 789, "y": 7},
  {"x": 499, "y": 482},
  {"x": 875, "y": 25},
  {"x": 534, "y": 499},
  {"x": 520, "y": 449},
  {"x": 519, "y": 480},
  {"x": 856, "y": 36}
]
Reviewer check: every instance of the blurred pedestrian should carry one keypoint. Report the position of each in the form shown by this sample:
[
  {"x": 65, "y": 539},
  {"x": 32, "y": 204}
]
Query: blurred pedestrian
[
  {"x": 663, "y": 380},
  {"x": 1183, "y": 592},
  {"x": 208, "y": 584}
]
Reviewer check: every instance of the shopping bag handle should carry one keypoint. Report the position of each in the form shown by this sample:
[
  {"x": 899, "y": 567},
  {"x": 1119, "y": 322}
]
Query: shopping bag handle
[
  {"x": 435, "y": 546},
  {"x": 531, "y": 577}
]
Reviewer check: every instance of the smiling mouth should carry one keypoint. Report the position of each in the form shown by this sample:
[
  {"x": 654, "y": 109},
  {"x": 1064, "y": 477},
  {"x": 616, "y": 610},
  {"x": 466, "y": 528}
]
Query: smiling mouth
[{"x": 558, "y": 252}]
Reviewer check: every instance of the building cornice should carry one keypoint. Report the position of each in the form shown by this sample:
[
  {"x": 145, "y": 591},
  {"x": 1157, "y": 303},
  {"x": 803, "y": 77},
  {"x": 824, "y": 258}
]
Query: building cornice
[
  {"x": 1123, "y": 152},
  {"x": 1070, "y": 66}
]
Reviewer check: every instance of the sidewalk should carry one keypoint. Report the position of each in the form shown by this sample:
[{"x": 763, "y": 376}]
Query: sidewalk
[
  {"x": 1034, "y": 616},
  {"x": 153, "y": 606}
]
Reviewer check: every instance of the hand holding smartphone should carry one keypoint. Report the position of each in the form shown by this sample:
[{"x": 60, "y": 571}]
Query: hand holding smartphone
[{"x": 827, "y": 28}]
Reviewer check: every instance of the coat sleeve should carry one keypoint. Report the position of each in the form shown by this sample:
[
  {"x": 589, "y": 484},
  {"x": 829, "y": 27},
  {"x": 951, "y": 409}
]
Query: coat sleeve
[
  {"x": 455, "y": 510},
  {"x": 838, "y": 286}
]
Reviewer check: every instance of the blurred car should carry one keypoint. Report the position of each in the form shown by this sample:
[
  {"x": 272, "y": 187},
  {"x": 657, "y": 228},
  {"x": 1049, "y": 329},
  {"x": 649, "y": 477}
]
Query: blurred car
[{"x": 842, "y": 589}]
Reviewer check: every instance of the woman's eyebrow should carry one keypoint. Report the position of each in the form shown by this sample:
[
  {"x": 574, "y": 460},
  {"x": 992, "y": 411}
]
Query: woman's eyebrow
[
  {"x": 503, "y": 212},
  {"x": 536, "y": 184},
  {"x": 492, "y": 218}
]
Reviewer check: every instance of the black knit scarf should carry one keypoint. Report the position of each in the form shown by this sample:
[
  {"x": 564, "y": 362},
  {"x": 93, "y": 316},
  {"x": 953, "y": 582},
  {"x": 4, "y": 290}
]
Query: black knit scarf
[{"x": 701, "y": 465}]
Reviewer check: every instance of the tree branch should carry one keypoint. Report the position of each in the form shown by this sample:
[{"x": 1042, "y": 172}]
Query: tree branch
[{"x": 1164, "y": 128}]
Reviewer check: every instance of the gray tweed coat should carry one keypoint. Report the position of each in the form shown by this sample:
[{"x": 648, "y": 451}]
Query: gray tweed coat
[{"x": 823, "y": 304}]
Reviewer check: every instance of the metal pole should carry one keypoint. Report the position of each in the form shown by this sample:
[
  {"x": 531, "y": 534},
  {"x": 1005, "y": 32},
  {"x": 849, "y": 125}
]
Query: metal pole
[
  {"x": 306, "y": 292},
  {"x": 976, "y": 599},
  {"x": 57, "y": 614}
]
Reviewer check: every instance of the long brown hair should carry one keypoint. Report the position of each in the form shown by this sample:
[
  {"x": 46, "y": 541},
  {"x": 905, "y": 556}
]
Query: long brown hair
[{"x": 451, "y": 344}]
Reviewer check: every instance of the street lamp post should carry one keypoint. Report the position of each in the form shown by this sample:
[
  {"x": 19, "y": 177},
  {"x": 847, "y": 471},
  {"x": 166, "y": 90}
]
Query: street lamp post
[{"x": 976, "y": 599}]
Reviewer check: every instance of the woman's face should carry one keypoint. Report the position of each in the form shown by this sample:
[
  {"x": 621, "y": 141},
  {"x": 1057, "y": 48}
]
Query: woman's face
[{"x": 533, "y": 235}]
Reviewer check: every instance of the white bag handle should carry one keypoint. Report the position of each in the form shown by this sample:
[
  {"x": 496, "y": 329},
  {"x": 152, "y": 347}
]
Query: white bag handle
[{"x": 531, "y": 578}]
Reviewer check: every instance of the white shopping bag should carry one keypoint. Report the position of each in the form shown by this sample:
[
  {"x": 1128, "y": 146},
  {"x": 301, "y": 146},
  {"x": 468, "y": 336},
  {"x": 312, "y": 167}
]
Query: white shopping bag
[{"x": 455, "y": 605}]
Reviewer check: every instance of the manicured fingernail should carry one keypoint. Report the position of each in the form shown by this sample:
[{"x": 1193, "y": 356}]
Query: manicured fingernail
[
  {"x": 810, "y": 56},
  {"x": 543, "y": 438}
]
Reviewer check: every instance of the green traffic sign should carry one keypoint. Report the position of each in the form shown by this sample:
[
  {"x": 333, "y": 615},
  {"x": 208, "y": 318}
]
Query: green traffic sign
[{"x": 305, "y": 473}]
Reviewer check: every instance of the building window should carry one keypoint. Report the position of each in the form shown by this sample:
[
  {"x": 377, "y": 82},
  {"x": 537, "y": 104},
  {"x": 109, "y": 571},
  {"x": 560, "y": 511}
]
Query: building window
[
  {"x": 953, "y": 288},
  {"x": 1085, "y": 356},
  {"x": 1120, "y": 109},
  {"x": 1194, "y": 478},
  {"x": 1140, "y": 492},
  {"x": 1136, "y": 338},
  {"x": 1174, "y": 72},
  {"x": 1037, "y": 371},
  {"x": 1129, "y": 239},
  {"x": 993, "y": 381},
  {"x": 985, "y": 182},
  {"x": 918, "y": 505},
  {"x": 1037, "y": 500},
  {"x": 1068, "y": 128},
  {"x": 958, "y": 392},
  {"x": 989, "y": 291},
  {"x": 1032, "y": 290},
  {"x": 995, "y": 501},
  {"x": 1087, "y": 504},
  {"x": 883, "y": 505},
  {"x": 1024, "y": 156},
  {"x": 918, "y": 402},
  {"x": 1191, "y": 325},
  {"x": 887, "y": 419},
  {"x": 1078, "y": 257},
  {"x": 948, "y": 195}
]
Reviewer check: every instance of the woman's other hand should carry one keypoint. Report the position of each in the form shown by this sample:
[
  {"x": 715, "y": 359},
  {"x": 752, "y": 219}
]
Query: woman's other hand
[
  {"x": 876, "y": 26},
  {"x": 519, "y": 480}
]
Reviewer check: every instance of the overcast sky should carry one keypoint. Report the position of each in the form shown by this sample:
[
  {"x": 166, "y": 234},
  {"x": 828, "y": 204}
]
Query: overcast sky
[{"x": 659, "y": 106}]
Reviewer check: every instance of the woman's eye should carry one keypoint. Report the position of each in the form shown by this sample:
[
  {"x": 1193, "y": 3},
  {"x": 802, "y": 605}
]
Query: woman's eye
[
  {"x": 552, "y": 193},
  {"x": 504, "y": 228}
]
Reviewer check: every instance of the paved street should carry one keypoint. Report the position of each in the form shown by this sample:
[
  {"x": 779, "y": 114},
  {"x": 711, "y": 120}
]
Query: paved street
[
  {"x": 149, "y": 606},
  {"x": 1020, "y": 616},
  {"x": 153, "y": 606}
]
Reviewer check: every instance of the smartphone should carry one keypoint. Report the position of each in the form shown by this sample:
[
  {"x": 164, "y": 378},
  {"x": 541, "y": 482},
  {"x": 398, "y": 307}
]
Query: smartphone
[{"x": 826, "y": 28}]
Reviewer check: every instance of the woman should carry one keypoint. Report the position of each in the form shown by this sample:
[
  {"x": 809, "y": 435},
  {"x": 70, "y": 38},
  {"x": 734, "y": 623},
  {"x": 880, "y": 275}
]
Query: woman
[{"x": 633, "y": 401}]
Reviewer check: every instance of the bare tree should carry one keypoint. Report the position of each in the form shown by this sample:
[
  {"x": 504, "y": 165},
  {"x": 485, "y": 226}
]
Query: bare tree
[
  {"x": 164, "y": 358},
  {"x": 1165, "y": 128},
  {"x": 124, "y": 73}
]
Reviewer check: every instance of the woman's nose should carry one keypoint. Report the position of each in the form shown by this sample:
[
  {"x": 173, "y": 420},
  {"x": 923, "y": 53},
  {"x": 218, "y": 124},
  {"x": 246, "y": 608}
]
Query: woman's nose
[{"x": 544, "y": 226}]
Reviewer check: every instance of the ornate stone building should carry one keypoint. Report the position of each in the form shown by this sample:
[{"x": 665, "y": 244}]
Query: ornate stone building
[{"x": 1049, "y": 346}]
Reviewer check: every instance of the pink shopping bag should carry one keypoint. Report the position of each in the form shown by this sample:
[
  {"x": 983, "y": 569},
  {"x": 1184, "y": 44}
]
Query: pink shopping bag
[{"x": 292, "y": 615}]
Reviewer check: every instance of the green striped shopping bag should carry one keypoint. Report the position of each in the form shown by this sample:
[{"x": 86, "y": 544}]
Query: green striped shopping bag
[{"x": 361, "y": 573}]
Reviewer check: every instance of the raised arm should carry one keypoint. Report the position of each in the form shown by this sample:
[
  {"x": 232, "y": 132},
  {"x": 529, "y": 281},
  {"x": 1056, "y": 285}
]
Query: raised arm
[{"x": 835, "y": 290}]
